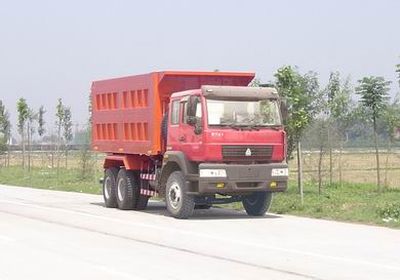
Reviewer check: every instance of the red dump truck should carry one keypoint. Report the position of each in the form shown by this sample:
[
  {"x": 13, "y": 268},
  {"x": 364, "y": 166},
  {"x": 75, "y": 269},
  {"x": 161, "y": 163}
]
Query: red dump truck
[{"x": 193, "y": 138}]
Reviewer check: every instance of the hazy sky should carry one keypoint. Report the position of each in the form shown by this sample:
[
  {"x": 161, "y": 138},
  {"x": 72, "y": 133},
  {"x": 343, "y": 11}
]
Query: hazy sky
[{"x": 51, "y": 49}]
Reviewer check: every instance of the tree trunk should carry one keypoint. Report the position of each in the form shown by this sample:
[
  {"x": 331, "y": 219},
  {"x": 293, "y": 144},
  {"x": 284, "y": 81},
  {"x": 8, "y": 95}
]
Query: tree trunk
[
  {"x": 66, "y": 156},
  {"x": 8, "y": 155},
  {"x": 29, "y": 146},
  {"x": 378, "y": 177},
  {"x": 300, "y": 172},
  {"x": 321, "y": 150},
  {"x": 23, "y": 148},
  {"x": 58, "y": 152},
  {"x": 340, "y": 164},
  {"x": 389, "y": 149},
  {"x": 330, "y": 155}
]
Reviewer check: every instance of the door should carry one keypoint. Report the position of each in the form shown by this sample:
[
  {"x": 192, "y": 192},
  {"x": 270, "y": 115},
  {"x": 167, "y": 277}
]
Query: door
[{"x": 190, "y": 138}]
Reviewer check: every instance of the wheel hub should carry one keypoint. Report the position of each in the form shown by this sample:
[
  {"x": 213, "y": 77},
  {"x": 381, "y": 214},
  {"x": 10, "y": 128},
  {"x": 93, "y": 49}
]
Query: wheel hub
[
  {"x": 175, "y": 195},
  {"x": 107, "y": 189},
  {"x": 121, "y": 189}
]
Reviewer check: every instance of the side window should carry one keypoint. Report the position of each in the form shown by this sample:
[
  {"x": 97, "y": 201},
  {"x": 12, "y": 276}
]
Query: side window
[
  {"x": 198, "y": 110},
  {"x": 184, "y": 109},
  {"x": 175, "y": 112}
]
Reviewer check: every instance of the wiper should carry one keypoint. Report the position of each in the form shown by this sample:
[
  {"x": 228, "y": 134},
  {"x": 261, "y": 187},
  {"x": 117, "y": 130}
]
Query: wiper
[
  {"x": 258, "y": 126},
  {"x": 231, "y": 125},
  {"x": 234, "y": 126},
  {"x": 253, "y": 126},
  {"x": 244, "y": 127}
]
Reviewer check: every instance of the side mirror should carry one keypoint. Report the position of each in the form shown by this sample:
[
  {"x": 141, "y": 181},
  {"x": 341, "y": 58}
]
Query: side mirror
[
  {"x": 191, "y": 120},
  {"x": 284, "y": 110},
  {"x": 191, "y": 109}
]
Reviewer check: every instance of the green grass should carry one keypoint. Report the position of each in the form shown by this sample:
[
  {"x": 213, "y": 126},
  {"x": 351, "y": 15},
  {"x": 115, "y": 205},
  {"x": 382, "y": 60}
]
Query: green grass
[
  {"x": 359, "y": 203},
  {"x": 66, "y": 180}
]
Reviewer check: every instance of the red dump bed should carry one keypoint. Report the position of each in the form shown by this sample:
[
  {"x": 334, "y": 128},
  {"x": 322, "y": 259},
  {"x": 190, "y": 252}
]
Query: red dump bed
[{"x": 127, "y": 112}]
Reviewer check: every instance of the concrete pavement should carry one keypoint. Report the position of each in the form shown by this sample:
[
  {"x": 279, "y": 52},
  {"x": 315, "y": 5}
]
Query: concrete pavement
[{"x": 59, "y": 235}]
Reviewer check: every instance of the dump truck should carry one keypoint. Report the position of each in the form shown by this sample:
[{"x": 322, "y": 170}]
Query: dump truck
[{"x": 195, "y": 139}]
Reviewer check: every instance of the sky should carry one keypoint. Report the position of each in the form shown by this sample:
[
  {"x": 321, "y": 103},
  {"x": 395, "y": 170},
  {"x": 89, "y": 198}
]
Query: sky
[{"x": 55, "y": 49}]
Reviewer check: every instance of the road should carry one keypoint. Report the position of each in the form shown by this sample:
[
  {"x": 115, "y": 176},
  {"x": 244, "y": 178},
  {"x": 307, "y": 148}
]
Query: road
[{"x": 59, "y": 235}]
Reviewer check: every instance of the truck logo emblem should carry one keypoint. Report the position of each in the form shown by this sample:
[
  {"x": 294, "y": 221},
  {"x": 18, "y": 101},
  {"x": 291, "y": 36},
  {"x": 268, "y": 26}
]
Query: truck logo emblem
[{"x": 248, "y": 152}]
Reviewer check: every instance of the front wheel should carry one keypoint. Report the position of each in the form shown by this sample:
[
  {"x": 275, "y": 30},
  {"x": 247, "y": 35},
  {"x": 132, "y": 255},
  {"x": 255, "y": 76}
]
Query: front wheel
[
  {"x": 258, "y": 203},
  {"x": 179, "y": 204}
]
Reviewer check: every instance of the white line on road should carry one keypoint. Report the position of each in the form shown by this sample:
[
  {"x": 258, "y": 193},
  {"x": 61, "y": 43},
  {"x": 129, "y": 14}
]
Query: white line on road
[{"x": 201, "y": 235}]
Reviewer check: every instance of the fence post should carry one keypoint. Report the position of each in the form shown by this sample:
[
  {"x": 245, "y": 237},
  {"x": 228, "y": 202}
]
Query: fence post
[{"x": 300, "y": 172}]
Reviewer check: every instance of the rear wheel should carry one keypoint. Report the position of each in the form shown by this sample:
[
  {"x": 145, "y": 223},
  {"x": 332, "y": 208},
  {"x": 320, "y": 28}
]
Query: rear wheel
[
  {"x": 179, "y": 204},
  {"x": 127, "y": 190},
  {"x": 258, "y": 203},
  {"x": 110, "y": 187}
]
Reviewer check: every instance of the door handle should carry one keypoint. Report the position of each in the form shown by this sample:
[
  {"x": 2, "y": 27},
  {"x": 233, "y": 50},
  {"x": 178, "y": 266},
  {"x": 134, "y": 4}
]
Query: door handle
[{"x": 182, "y": 138}]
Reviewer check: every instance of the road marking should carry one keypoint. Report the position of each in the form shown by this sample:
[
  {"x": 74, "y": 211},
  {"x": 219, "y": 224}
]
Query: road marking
[{"x": 202, "y": 235}]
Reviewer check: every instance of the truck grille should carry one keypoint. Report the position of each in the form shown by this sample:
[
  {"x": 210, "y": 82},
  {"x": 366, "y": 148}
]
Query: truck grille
[{"x": 247, "y": 153}]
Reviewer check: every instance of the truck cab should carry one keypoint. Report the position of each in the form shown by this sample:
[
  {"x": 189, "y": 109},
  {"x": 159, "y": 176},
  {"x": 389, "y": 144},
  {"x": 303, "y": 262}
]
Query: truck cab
[{"x": 232, "y": 143}]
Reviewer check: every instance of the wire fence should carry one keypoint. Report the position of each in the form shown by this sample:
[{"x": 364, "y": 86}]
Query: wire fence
[{"x": 350, "y": 166}]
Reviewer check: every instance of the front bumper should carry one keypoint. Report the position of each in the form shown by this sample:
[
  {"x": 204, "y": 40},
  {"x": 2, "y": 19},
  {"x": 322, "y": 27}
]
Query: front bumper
[{"x": 241, "y": 178}]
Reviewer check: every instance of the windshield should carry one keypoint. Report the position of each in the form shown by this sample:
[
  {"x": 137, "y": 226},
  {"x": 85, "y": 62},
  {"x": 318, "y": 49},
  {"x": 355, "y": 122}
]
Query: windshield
[{"x": 243, "y": 113}]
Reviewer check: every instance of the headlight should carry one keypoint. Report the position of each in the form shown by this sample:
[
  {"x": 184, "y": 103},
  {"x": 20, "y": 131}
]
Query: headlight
[
  {"x": 213, "y": 173},
  {"x": 279, "y": 172}
]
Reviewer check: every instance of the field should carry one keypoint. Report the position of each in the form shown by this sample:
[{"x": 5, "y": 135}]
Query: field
[{"x": 354, "y": 199}]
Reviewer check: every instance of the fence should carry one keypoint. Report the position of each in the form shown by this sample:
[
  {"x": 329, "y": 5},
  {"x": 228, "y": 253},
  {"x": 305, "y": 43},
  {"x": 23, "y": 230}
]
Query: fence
[{"x": 352, "y": 166}]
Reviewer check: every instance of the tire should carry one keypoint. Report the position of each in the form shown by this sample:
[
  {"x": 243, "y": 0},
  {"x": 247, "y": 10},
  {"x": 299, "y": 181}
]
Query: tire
[
  {"x": 258, "y": 203},
  {"x": 142, "y": 202},
  {"x": 110, "y": 187},
  {"x": 127, "y": 190},
  {"x": 179, "y": 204}
]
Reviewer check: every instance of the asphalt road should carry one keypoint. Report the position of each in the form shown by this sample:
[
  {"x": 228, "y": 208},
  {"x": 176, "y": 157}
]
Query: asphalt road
[{"x": 58, "y": 235}]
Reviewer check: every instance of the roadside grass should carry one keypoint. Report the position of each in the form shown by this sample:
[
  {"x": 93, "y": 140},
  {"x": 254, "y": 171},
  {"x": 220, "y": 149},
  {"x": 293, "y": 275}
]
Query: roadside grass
[
  {"x": 65, "y": 180},
  {"x": 359, "y": 203},
  {"x": 351, "y": 202}
]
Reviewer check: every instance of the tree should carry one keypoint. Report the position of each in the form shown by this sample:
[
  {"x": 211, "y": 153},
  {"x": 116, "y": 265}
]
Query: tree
[
  {"x": 41, "y": 128},
  {"x": 391, "y": 122},
  {"x": 374, "y": 98},
  {"x": 333, "y": 89},
  {"x": 41, "y": 121},
  {"x": 340, "y": 108},
  {"x": 30, "y": 130},
  {"x": 302, "y": 95},
  {"x": 23, "y": 114},
  {"x": 86, "y": 156},
  {"x": 59, "y": 124},
  {"x": 5, "y": 129},
  {"x": 398, "y": 72},
  {"x": 67, "y": 131}
]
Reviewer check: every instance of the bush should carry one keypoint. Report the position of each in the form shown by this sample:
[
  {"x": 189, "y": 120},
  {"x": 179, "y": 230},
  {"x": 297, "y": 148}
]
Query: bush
[{"x": 390, "y": 211}]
